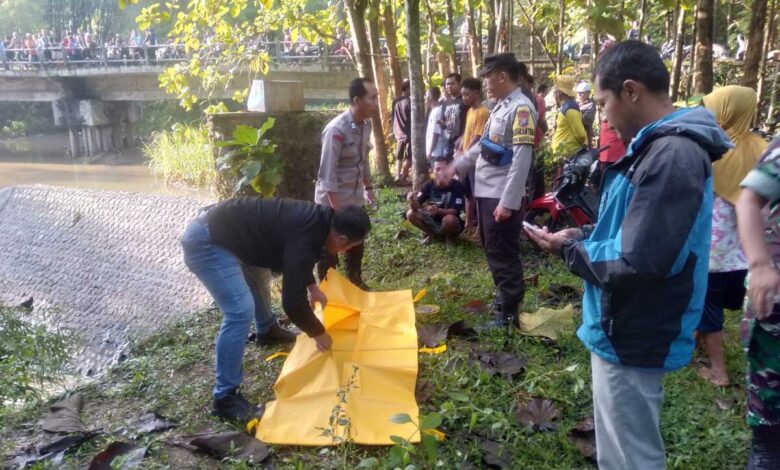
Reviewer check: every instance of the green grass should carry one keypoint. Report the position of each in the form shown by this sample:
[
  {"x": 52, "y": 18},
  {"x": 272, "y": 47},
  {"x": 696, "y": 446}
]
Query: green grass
[
  {"x": 172, "y": 373},
  {"x": 182, "y": 154}
]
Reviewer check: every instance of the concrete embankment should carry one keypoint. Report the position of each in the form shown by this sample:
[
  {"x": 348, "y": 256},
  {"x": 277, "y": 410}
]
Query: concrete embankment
[{"x": 105, "y": 265}]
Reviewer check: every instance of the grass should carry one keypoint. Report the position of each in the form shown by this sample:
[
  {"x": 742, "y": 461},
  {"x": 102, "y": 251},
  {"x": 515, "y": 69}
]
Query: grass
[
  {"x": 172, "y": 373},
  {"x": 182, "y": 154}
]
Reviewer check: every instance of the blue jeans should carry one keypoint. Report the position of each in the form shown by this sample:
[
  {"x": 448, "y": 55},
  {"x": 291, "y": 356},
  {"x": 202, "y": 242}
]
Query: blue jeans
[{"x": 236, "y": 294}]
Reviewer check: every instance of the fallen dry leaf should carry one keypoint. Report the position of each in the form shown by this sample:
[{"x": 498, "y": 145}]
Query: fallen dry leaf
[
  {"x": 583, "y": 436},
  {"x": 237, "y": 445},
  {"x": 494, "y": 455},
  {"x": 64, "y": 415},
  {"x": 151, "y": 422},
  {"x": 434, "y": 335},
  {"x": 539, "y": 414},
  {"x": 505, "y": 363},
  {"x": 461, "y": 329},
  {"x": 131, "y": 457},
  {"x": 547, "y": 322}
]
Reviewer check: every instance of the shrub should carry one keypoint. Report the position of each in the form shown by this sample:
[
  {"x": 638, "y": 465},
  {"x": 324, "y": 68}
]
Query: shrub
[
  {"x": 183, "y": 154},
  {"x": 30, "y": 356}
]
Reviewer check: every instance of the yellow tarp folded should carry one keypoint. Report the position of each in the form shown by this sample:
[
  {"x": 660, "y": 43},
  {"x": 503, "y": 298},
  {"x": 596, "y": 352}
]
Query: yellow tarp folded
[{"x": 374, "y": 345}]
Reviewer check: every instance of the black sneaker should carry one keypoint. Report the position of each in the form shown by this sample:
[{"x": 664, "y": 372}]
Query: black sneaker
[
  {"x": 234, "y": 407},
  {"x": 275, "y": 335}
]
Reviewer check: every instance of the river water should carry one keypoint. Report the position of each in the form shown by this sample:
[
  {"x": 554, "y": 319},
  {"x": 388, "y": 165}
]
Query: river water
[{"x": 43, "y": 159}]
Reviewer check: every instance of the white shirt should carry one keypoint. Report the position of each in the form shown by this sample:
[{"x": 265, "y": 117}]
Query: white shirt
[{"x": 434, "y": 128}]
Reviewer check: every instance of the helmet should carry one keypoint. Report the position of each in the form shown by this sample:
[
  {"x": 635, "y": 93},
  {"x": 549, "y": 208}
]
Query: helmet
[{"x": 582, "y": 87}]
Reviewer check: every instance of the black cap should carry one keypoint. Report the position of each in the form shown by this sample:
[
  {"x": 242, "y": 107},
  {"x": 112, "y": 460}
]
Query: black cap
[{"x": 505, "y": 61}]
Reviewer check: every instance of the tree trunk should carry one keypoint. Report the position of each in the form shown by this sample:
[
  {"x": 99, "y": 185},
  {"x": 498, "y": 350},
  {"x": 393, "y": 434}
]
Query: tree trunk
[
  {"x": 773, "y": 114},
  {"x": 762, "y": 67},
  {"x": 388, "y": 24},
  {"x": 642, "y": 14},
  {"x": 532, "y": 48},
  {"x": 356, "y": 11},
  {"x": 750, "y": 67},
  {"x": 453, "y": 57},
  {"x": 702, "y": 71},
  {"x": 539, "y": 37},
  {"x": 510, "y": 21},
  {"x": 475, "y": 42},
  {"x": 561, "y": 24},
  {"x": 499, "y": 27},
  {"x": 692, "y": 58},
  {"x": 622, "y": 14},
  {"x": 378, "y": 66},
  {"x": 429, "y": 45},
  {"x": 491, "y": 12},
  {"x": 679, "y": 43},
  {"x": 417, "y": 90}
]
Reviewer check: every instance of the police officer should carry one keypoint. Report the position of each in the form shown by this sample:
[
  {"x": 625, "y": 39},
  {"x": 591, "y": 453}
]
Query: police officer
[
  {"x": 505, "y": 155},
  {"x": 344, "y": 177}
]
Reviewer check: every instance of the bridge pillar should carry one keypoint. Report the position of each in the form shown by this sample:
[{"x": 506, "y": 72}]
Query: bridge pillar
[{"x": 96, "y": 126}]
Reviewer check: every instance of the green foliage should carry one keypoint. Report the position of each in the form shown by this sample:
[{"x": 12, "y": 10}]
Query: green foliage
[
  {"x": 402, "y": 451},
  {"x": 183, "y": 154},
  {"x": 235, "y": 25},
  {"x": 30, "y": 356},
  {"x": 253, "y": 159},
  {"x": 14, "y": 129}
]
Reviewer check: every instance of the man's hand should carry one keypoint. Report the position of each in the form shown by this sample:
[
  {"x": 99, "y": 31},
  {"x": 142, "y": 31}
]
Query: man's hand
[
  {"x": 763, "y": 287},
  {"x": 501, "y": 214},
  {"x": 553, "y": 242},
  {"x": 316, "y": 295},
  {"x": 370, "y": 197},
  {"x": 324, "y": 342}
]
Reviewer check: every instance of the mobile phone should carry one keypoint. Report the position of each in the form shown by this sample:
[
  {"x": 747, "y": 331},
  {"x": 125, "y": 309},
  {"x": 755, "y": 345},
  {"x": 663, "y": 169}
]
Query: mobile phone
[{"x": 531, "y": 226}]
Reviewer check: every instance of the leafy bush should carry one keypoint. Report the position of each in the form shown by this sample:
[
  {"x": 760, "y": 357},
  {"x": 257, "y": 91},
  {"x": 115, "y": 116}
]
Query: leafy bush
[
  {"x": 253, "y": 159},
  {"x": 182, "y": 154},
  {"x": 30, "y": 356},
  {"x": 14, "y": 129}
]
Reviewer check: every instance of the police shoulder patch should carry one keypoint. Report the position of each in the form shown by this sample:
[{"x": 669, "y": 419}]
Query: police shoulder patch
[{"x": 523, "y": 128}]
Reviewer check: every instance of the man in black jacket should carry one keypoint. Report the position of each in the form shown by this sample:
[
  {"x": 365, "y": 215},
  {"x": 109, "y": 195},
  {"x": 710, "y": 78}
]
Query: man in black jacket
[{"x": 278, "y": 234}]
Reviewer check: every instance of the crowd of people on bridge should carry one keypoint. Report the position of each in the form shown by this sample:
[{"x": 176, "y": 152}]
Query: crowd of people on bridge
[
  {"x": 689, "y": 209},
  {"x": 35, "y": 50}
]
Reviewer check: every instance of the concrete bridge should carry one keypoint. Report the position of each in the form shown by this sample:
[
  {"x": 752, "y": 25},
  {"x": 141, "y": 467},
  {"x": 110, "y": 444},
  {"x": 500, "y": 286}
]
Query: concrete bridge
[
  {"x": 98, "y": 103},
  {"x": 138, "y": 82}
]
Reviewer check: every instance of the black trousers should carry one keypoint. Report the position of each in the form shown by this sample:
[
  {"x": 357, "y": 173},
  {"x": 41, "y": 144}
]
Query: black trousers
[
  {"x": 502, "y": 250},
  {"x": 353, "y": 262}
]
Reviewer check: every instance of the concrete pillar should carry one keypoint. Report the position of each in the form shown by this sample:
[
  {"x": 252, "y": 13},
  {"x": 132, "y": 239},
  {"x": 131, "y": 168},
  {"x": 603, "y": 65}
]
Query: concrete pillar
[
  {"x": 73, "y": 137},
  {"x": 129, "y": 133},
  {"x": 85, "y": 141},
  {"x": 105, "y": 134}
]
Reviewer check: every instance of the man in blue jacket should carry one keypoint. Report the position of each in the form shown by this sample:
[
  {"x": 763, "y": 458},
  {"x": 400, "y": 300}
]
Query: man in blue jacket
[{"x": 645, "y": 262}]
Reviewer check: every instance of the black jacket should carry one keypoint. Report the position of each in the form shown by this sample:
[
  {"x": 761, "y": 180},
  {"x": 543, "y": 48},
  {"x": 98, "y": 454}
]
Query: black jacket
[{"x": 283, "y": 235}]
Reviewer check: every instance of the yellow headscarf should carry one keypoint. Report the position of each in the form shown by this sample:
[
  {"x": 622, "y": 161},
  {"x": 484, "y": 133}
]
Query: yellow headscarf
[{"x": 734, "y": 107}]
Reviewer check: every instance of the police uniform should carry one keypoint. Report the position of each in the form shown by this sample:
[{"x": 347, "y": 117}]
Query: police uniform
[
  {"x": 506, "y": 153},
  {"x": 343, "y": 168}
]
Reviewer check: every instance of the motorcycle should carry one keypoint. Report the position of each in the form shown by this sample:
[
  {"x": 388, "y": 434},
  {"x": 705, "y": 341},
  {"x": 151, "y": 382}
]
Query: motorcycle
[{"x": 571, "y": 203}]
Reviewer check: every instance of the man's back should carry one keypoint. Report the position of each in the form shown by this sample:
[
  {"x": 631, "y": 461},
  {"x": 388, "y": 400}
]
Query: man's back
[
  {"x": 260, "y": 231},
  {"x": 401, "y": 117}
]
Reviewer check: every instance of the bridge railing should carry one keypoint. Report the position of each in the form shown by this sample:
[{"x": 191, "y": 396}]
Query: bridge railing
[{"x": 280, "y": 52}]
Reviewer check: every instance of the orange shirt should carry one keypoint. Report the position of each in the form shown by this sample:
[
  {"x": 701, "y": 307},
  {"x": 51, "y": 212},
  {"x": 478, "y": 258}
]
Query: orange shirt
[{"x": 475, "y": 124}]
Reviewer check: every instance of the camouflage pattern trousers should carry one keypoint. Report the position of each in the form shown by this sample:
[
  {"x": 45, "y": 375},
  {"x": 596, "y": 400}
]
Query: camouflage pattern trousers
[{"x": 763, "y": 354}]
